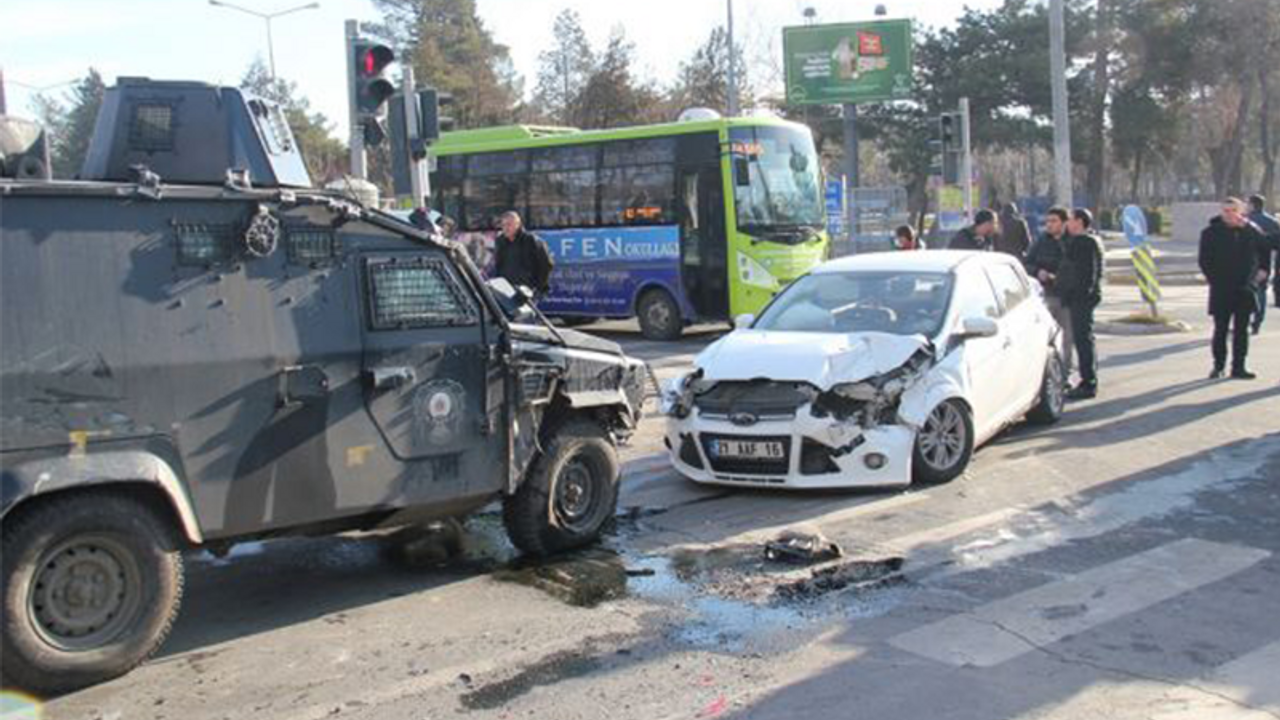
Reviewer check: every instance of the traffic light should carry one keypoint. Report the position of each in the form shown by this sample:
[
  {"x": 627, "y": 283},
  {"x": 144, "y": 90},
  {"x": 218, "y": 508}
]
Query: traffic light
[
  {"x": 371, "y": 90},
  {"x": 433, "y": 104},
  {"x": 949, "y": 131}
]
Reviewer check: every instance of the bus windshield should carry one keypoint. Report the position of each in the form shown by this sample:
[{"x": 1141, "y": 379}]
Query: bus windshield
[{"x": 781, "y": 189}]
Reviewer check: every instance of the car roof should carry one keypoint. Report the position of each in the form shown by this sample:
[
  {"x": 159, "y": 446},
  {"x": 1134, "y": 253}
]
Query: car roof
[{"x": 917, "y": 261}]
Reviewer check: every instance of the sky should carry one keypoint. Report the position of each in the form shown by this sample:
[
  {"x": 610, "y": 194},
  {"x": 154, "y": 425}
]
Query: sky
[{"x": 49, "y": 43}]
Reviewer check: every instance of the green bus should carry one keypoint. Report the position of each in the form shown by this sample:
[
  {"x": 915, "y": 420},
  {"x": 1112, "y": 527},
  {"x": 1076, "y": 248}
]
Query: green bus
[{"x": 693, "y": 221}]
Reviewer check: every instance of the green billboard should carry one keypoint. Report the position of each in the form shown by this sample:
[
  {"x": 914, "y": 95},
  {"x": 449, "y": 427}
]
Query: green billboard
[{"x": 848, "y": 63}]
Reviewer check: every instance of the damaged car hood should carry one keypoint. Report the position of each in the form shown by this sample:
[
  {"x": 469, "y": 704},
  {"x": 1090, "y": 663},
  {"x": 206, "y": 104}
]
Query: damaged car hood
[{"x": 820, "y": 359}]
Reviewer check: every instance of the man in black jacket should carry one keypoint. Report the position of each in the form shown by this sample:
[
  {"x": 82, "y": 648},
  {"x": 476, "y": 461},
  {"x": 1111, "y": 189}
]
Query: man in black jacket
[
  {"x": 1080, "y": 282},
  {"x": 1234, "y": 260},
  {"x": 1044, "y": 263},
  {"x": 976, "y": 236},
  {"x": 520, "y": 256}
]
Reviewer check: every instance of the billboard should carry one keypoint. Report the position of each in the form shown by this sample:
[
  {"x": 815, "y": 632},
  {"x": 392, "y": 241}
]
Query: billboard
[{"x": 848, "y": 63}]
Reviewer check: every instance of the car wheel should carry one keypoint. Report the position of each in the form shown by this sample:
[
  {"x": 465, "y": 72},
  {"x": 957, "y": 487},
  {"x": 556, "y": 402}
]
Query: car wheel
[
  {"x": 91, "y": 586},
  {"x": 944, "y": 443},
  {"x": 570, "y": 493},
  {"x": 659, "y": 315},
  {"x": 1052, "y": 391}
]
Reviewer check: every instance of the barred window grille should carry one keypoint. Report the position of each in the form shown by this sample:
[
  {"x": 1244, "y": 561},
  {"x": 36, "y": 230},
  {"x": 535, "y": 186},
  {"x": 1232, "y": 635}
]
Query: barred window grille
[
  {"x": 152, "y": 127},
  {"x": 311, "y": 246},
  {"x": 416, "y": 294},
  {"x": 205, "y": 244}
]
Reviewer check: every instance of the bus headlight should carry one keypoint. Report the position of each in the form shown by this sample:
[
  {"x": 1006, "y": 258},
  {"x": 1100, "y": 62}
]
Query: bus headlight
[{"x": 752, "y": 272}]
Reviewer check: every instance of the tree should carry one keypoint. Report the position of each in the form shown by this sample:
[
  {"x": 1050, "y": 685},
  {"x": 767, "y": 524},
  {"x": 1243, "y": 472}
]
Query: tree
[
  {"x": 1142, "y": 128},
  {"x": 612, "y": 97},
  {"x": 69, "y": 126},
  {"x": 564, "y": 69},
  {"x": 451, "y": 49},
  {"x": 703, "y": 78},
  {"x": 325, "y": 156}
]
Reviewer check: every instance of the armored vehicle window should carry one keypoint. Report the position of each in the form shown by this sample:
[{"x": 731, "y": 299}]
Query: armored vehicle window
[
  {"x": 202, "y": 244},
  {"x": 151, "y": 127},
  {"x": 416, "y": 293},
  {"x": 311, "y": 246}
]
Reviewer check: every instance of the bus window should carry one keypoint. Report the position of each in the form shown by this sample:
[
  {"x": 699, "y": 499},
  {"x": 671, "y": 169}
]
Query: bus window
[
  {"x": 562, "y": 187},
  {"x": 782, "y": 189},
  {"x": 496, "y": 183},
  {"x": 638, "y": 195}
]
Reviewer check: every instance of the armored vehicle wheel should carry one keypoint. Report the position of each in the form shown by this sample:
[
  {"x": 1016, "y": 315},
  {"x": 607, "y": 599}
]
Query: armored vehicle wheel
[
  {"x": 659, "y": 315},
  {"x": 944, "y": 445},
  {"x": 570, "y": 493},
  {"x": 91, "y": 585},
  {"x": 1048, "y": 409}
]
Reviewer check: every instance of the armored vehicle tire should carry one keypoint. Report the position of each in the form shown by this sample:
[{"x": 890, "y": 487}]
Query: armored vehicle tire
[
  {"x": 570, "y": 493},
  {"x": 944, "y": 444},
  {"x": 1048, "y": 409},
  {"x": 91, "y": 585},
  {"x": 659, "y": 315}
]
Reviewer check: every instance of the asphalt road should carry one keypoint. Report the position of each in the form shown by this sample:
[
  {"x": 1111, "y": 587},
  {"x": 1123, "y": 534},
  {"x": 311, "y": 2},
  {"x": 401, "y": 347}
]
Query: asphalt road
[{"x": 1121, "y": 564}]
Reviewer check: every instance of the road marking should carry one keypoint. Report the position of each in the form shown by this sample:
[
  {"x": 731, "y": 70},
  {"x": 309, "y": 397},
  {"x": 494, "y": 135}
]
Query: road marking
[
  {"x": 1005, "y": 629},
  {"x": 1250, "y": 680},
  {"x": 946, "y": 532}
]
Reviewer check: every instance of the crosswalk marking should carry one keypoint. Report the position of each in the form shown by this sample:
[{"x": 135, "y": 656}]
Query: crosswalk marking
[{"x": 1005, "y": 629}]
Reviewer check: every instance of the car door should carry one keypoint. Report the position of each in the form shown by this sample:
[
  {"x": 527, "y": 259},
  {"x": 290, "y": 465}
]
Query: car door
[
  {"x": 981, "y": 357},
  {"x": 1022, "y": 357},
  {"x": 431, "y": 356}
]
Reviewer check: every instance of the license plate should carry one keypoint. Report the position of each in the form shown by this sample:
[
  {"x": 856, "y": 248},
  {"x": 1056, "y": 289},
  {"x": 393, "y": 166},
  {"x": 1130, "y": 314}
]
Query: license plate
[{"x": 748, "y": 449}]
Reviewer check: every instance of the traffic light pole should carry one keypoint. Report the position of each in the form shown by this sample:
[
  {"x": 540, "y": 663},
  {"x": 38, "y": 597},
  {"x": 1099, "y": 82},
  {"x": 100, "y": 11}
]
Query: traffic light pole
[
  {"x": 966, "y": 160},
  {"x": 418, "y": 180},
  {"x": 355, "y": 137},
  {"x": 851, "y": 169}
]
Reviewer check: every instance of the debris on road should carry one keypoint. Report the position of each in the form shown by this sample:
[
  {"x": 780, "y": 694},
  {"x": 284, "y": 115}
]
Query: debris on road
[{"x": 801, "y": 548}]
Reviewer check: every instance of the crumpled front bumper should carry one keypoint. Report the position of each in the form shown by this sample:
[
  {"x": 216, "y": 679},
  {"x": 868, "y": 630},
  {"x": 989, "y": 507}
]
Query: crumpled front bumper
[{"x": 810, "y": 443}]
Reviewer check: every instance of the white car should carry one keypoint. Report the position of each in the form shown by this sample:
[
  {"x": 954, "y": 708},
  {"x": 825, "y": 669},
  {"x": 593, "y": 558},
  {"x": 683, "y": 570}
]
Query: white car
[{"x": 872, "y": 370}]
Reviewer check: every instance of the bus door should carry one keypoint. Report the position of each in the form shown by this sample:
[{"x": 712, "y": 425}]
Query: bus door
[{"x": 704, "y": 265}]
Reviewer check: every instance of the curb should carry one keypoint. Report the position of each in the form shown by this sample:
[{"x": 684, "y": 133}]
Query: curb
[{"x": 1118, "y": 327}]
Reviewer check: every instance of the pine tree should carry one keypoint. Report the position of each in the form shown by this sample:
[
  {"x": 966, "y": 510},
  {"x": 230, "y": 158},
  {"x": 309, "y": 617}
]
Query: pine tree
[{"x": 563, "y": 69}]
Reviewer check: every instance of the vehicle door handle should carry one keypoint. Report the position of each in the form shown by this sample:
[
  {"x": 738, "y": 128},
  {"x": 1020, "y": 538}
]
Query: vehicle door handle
[
  {"x": 301, "y": 383},
  {"x": 390, "y": 378}
]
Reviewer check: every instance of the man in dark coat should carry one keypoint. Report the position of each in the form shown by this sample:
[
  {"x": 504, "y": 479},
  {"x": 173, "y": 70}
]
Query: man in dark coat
[
  {"x": 1234, "y": 260},
  {"x": 1044, "y": 263},
  {"x": 1270, "y": 228},
  {"x": 1080, "y": 284},
  {"x": 976, "y": 236},
  {"x": 1014, "y": 237},
  {"x": 520, "y": 256}
]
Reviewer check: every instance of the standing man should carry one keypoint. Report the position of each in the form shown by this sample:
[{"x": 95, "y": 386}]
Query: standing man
[
  {"x": 1233, "y": 259},
  {"x": 976, "y": 236},
  {"x": 520, "y": 256},
  {"x": 1044, "y": 263},
  {"x": 1270, "y": 228},
  {"x": 1081, "y": 289},
  {"x": 1014, "y": 237}
]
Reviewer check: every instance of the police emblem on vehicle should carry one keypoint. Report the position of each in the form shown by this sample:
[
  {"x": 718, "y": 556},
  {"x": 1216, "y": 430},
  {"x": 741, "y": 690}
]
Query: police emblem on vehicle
[{"x": 742, "y": 419}]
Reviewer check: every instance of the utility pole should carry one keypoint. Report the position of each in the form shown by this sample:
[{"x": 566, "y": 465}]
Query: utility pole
[
  {"x": 1061, "y": 122},
  {"x": 966, "y": 160},
  {"x": 418, "y": 180},
  {"x": 2, "y": 102},
  {"x": 355, "y": 138},
  {"x": 732, "y": 75},
  {"x": 851, "y": 168}
]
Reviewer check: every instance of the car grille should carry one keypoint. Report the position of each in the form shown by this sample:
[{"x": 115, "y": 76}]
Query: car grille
[
  {"x": 771, "y": 466},
  {"x": 761, "y": 398}
]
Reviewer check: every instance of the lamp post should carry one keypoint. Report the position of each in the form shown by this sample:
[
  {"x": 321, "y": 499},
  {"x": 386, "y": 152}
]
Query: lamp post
[{"x": 267, "y": 17}]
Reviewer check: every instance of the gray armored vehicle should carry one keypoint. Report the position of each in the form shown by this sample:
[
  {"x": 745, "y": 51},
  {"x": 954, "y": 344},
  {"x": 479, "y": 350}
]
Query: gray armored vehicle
[{"x": 199, "y": 349}]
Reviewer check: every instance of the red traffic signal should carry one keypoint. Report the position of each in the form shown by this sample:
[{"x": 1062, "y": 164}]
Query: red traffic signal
[
  {"x": 371, "y": 59},
  {"x": 370, "y": 90}
]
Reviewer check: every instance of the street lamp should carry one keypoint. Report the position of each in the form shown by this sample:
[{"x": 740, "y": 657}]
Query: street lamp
[{"x": 268, "y": 17}]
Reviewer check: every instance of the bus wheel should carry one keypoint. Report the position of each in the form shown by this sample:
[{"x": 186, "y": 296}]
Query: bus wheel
[{"x": 659, "y": 315}]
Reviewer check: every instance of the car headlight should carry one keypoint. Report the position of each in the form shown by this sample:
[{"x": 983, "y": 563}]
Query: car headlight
[{"x": 674, "y": 399}]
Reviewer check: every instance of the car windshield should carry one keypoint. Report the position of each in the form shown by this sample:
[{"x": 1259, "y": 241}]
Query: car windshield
[
  {"x": 903, "y": 303},
  {"x": 779, "y": 190}
]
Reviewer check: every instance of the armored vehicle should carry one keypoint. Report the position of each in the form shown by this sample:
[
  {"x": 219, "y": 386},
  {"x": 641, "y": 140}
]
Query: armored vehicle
[{"x": 199, "y": 349}]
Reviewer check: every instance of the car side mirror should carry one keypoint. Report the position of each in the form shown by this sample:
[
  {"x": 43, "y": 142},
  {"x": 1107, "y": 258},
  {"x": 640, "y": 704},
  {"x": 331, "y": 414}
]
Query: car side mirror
[
  {"x": 979, "y": 327},
  {"x": 741, "y": 172},
  {"x": 743, "y": 321}
]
